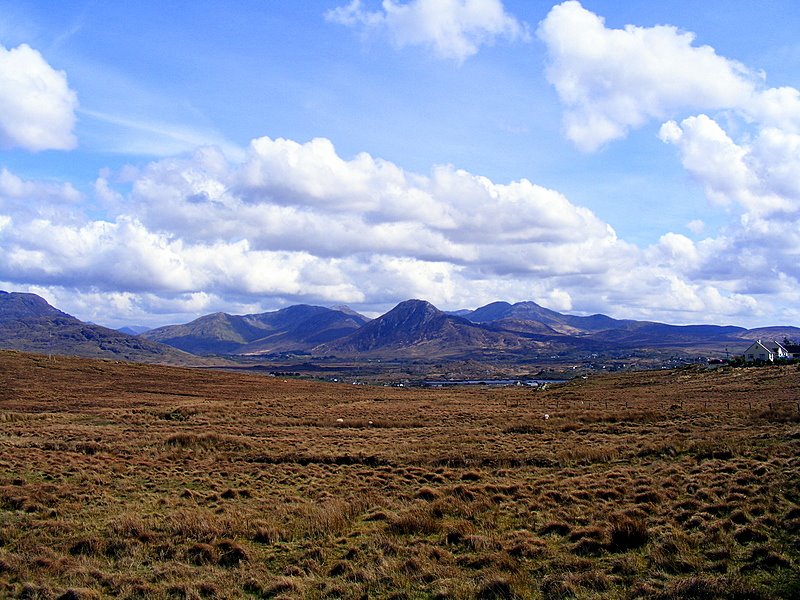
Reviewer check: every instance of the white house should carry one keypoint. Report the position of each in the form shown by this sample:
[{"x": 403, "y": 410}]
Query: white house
[
  {"x": 766, "y": 351},
  {"x": 793, "y": 350}
]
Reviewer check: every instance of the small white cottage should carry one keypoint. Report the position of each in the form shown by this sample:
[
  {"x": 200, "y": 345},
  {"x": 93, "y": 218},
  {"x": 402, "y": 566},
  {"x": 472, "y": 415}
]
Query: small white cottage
[{"x": 766, "y": 351}]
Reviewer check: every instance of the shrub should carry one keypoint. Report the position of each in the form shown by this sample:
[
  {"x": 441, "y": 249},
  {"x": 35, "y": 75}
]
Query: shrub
[
  {"x": 79, "y": 594},
  {"x": 746, "y": 535},
  {"x": 556, "y": 527},
  {"x": 268, "y": 534},
  {"x": 496, "y": 586},
  {"x": 427, "y": 493},
  {"x": 231, "y": 554},
  {"x": 557, "y": 586},
  {"x": 195, "y": 525},
  {"x": 282, "y": 586},
  {"x": 471, "y": 476},
  {"x": 131, "y": 527},
  {"x": 202, "y": 554},
  {"x": 87, "y": 547},
  {"x": 414, "y": 520},
  {"x": 327, "y": 518},
  {"x": 205, "y": 441},
  {"x": 709, "y": 588},
  {"x": 674, "y": 554},
  {"x": 627, "y": 533}
]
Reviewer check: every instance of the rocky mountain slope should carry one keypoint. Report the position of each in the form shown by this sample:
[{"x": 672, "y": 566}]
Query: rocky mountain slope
[
  {"x": 28, "y": 323},
  {"x": 296, "y": 328},
  {"x": 414, "y": 329}
]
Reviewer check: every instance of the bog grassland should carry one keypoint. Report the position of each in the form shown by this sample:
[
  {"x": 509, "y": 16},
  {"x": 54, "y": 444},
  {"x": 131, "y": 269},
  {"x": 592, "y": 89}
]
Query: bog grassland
[{"x": 138, "y": 481}]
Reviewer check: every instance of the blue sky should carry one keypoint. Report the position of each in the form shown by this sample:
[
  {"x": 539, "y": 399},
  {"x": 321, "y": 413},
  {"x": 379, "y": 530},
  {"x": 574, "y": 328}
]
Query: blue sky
[{"x": 159, "y": 161}]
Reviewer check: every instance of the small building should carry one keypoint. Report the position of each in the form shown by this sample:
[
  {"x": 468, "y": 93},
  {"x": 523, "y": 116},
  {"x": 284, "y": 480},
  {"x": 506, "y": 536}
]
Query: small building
[
  {"x": 793, "y": 350},
  {"x": 767, "y": 351}
]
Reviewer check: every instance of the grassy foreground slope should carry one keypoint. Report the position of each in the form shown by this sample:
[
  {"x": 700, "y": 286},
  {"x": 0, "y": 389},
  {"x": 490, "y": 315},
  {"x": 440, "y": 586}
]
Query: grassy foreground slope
[{"x": 137, "y": 481}]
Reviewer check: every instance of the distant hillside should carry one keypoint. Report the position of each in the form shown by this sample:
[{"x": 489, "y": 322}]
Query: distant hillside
[
  {"x": 304, "y": 327},
  {"x": 558, "y": 322},
  {"x": 343, "y": 308},
  {"x": 296, "y": 328},
  {"x": 28, "y": 323},
  {"x": 772, "y": 333},
  {"x": 217, "y": 333},
  {"x": 642, "y": 334},
  {"x": 417, "y": 328},
  {"x": 15, "y": 306},
  {"x": 133, "y": 329},
  {"x": 523, "y": 327}
]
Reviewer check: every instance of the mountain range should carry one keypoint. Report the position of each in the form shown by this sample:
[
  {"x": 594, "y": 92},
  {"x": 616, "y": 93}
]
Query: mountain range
[
  {"x": 296, "y": 328},
  {"x": 414, "y": 329},
  {"x": 29, "y": 324},
  {"x": 417, "y": 329},
  {"x": 527, "y": 329}
]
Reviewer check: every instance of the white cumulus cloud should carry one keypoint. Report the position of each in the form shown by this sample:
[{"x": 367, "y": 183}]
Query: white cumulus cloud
[
  {"x": 613, "y": 80},
  {"x": 736, "y": 137},
  {"x": 37, "y": 106},
  {"x": 297, "y": 222},
  {"x": 454, "y": 29},
  {"x": 762, "y": 175}
]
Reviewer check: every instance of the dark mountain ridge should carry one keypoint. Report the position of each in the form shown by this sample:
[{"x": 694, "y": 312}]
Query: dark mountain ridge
[
  {"x": 295, "y": 328},
  {"x": 525, "y": 328},
  {"x": 413, "y": 329},
  {"x": 18, "y": 306},
  {"x": 416, "y": 328},
  {"x": 660, "y": 334},
  {"x": 133, "y": 329},
  {"x": 530, "y": 311},
  {"x": 28, "y": 323}
]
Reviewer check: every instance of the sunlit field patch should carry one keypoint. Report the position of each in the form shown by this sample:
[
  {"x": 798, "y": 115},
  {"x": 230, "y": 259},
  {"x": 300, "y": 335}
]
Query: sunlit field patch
[{"x": 150, "y": 482}]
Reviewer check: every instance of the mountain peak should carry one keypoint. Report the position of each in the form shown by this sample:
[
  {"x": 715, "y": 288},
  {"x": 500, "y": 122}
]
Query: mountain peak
[
  {"x": 292, "y": 328},
  {"x": 15, "y": 306},
  {"x": 490, "y": 312},
  {"x": 343, "y": 308},
  {"x": 412, "y": 316},
  {"x": 412, "y": 326},
  {"x": 415, "y": 306},
  {"x": 30, "y": 324}
]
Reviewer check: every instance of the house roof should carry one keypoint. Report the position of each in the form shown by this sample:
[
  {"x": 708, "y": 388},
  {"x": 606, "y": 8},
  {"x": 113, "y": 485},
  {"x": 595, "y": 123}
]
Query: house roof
[
  {"x": 772, "y": 347},
  {"x": 774, "y": 344},
  {"x": 757, "y": 345}
]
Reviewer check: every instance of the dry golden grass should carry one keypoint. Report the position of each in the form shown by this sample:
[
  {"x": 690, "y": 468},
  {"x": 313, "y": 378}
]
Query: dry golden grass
[{"x": 138, "y": 481}]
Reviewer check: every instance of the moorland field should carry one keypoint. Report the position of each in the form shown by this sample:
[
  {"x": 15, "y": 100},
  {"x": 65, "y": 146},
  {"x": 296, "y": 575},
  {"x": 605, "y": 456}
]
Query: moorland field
[{"x": 140, "y": 481}]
